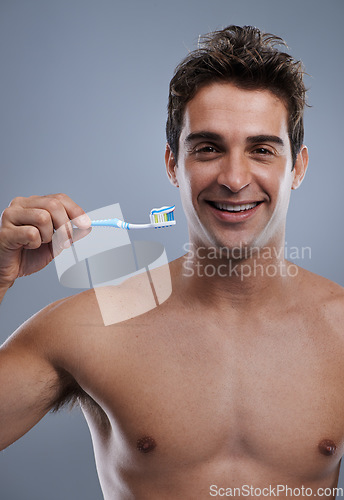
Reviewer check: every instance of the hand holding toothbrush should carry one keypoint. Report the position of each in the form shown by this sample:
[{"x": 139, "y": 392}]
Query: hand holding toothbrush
[{"x": 26, "y": 230}]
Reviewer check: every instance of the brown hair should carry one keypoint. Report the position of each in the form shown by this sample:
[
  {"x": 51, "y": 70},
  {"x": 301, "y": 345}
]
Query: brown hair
[{"x": 248, "y": 58}]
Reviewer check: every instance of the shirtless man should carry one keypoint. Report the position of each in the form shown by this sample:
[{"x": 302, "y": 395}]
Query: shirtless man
[{"x": 235, "y": 381}]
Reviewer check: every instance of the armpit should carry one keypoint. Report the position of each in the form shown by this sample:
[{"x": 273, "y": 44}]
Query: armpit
[
  {"x": 68, "y": 392},
  {"x": 71, "y": 395}
]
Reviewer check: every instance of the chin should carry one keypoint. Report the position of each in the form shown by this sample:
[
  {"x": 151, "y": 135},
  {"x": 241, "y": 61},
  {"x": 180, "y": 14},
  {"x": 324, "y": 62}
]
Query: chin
[{"x": 227, "y": 248}]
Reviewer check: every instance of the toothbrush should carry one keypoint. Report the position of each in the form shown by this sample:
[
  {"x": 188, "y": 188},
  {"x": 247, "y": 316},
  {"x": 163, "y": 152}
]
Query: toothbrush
[{"x": 159, "y": 217}]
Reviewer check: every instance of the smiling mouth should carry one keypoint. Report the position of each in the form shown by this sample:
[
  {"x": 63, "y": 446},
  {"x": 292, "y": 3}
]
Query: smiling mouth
[{"x": 227, "y": 207}]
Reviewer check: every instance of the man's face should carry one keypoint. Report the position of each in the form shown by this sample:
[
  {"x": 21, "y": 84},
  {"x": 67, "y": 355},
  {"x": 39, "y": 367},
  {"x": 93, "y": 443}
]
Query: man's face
[{"x": 234, "y": 169}]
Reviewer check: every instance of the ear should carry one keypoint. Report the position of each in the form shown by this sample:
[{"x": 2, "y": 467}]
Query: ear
[
  {"x": 300, "y": 167},
  {"x": 171, "y": 166}
]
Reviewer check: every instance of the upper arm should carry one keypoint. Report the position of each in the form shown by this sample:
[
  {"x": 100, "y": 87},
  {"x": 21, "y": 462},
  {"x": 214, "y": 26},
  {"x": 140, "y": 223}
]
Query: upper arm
[{"x": 30, "y": 384}]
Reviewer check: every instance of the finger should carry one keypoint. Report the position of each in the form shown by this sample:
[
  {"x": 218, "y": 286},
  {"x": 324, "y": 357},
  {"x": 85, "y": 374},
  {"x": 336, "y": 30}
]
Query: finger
[
  {"x": 40, "y": 218},
  {"x": 54, "y": 207},
  {"x": 17, "y": 215},
  {"x": 78, "y": 234},
  {"x": 60, "y": 241},
  {"x": 23, "y": 237},
  {"x": 63, "y": 237},
  {"x": 61, "y": 207},
  {"x": 74, "y": 211}
]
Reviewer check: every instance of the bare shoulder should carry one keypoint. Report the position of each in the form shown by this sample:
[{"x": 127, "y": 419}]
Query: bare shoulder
[
  {"x": 323, "y": 296},
  {"x": 79, "y": 320},
  {"x": 64, "y": 313},
  {"x": 56, "y": 324},
  {"x": 320, "y": 286},
  {"x": 69, "y": 332}
]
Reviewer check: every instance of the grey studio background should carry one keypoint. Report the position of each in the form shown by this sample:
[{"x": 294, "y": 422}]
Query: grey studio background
[{"x": 83, "y": 95}]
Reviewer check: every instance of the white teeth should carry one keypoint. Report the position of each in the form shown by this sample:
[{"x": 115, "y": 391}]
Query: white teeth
[{"x": 235, "y": 208}]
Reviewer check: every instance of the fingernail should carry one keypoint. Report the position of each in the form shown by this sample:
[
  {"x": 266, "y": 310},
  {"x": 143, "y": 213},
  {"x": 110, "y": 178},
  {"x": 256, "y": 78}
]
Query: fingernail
[
  {"x": 67, "y": 244},
  {"x": 82, "y": 220}
]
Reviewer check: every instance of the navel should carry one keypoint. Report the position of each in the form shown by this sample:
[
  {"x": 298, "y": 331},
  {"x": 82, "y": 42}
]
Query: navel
[
  {"x": 145, "y": 444},
  {"x": 327, "y": 447}
]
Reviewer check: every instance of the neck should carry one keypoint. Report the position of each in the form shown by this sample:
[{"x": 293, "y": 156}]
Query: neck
[{"x": 250, "y": 278}]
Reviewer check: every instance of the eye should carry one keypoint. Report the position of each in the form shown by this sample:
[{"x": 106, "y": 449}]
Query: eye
[
  {"x": 263, "y": 151},
  {"x": 206, "y": 149}
]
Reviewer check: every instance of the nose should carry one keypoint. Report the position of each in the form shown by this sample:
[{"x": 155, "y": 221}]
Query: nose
[{"x": 234, "y": 172}]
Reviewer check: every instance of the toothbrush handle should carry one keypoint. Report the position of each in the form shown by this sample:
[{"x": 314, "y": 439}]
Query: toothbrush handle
[{"x": 111, "y": 223}]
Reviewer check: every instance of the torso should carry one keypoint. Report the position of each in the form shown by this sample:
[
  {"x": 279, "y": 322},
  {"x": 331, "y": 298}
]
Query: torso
[{"x": 203, "y": 401}]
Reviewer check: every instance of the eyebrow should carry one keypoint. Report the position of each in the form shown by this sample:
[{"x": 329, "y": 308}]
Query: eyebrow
[
  {"x": 205, "y": 135},
  {"x": 213, "y": 136},
  {"x": 255, "y": 139}
]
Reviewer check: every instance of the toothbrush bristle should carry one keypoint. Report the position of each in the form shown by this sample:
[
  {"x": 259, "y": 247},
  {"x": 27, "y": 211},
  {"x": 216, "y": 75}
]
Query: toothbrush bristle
[{"x": 162, "y": 217}]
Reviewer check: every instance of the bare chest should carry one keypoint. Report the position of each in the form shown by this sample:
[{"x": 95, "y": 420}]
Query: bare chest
[{"x": 183, "y": 398}]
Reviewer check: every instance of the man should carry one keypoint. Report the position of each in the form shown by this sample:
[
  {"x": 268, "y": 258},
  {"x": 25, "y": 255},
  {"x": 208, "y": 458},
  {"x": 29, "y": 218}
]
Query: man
[{"x": 234, "y": 384}]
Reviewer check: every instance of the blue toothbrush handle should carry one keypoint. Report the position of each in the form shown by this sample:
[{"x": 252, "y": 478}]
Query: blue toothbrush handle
[{"x": 111, "y": 223}]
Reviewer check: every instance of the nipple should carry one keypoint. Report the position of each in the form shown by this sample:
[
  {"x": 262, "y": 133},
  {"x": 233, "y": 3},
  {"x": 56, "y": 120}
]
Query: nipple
[
  {"x": 145, "y": 444},
  {"x": 327, "y": 447}
]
